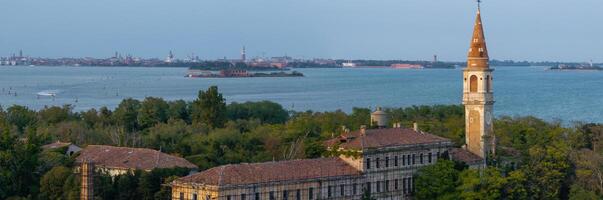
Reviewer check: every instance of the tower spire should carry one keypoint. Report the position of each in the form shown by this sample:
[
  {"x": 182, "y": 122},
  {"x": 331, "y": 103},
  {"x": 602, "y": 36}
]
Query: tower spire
[{"x": 478, "y": 52}]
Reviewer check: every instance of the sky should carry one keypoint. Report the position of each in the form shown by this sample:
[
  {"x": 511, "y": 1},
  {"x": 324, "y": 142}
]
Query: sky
[{"x": 535, "y": 30}]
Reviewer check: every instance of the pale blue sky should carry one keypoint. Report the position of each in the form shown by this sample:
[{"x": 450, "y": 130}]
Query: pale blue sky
[{"x": 370, "y": 29}]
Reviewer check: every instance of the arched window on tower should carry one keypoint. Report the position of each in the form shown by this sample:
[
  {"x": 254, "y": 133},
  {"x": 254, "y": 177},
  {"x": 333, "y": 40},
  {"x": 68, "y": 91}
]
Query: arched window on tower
[
  {"x": 488, "y": 87},
  {"x": 473, "y": 83}
]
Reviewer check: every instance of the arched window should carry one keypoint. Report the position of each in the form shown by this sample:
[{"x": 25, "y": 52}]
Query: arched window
[
  {"x": 488, "y": 88},
  {"x": 473, "y": 83}
]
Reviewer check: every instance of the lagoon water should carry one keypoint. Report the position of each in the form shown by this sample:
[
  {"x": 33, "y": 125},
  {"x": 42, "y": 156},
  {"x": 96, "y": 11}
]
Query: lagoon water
[{"x": 565, "y": 95}]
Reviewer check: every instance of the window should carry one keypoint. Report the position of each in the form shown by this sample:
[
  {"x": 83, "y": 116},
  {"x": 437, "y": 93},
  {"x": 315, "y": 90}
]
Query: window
[
  {"x": 368, "y": 163},
  {"x": 377, "y": 162},
  {"x": 473, "y": 84},
  {"x": 408, "y": 160},
  {"x": 271, "y": 195},
  {"x": 342, "y": 190},
  {"x": 228, "y": 197},
  {"x": 298, "y": 194},
  {"x": 182, "y": 196},
  {"x": 329, "y": 191},
  {"x": 285, "y": 195},
  {"x": 411, "y": 188},
  {"x": 413, "y": 159},
  {"x": 403, "y": 160},
  {"x": 354, "y": 189},
  {"x": 243, "y": 197},
  {"x": 421, "y": 158},
  {"x": 386, "y": 162},
  {"x": 311, "y": 193},
  {"x": 404, "y": 187},
  {"x": 396, "y": 161},
  {"x": 396, "y": 184},
  {"x": 488, "y": 83},
  {"x": 194, "y": 196},
  {"x": 429, "y": 157},
  {"x": 378, "y": 186},
  {"x": 257, "y": 196},
  {"x": 368, "y": 187},
  {"x": 387, "y": 185}
]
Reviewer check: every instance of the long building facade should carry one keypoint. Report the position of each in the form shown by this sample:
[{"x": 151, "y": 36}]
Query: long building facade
[{"x": 379, "y": 162}]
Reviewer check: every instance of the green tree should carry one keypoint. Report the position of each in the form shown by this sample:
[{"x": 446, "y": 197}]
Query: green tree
[
  {"x": 179, "y": 110},
  {"x": 516, "y": 187},
  {"x": 579, "y": 193},
  {"x": 210, "y": 108},
  {"x": 170, "y": 137},
  {"x": 18, "y": 165},
  {"x": 21, "y": 117},
  {"x": 55, "y": 114},
  {"x": 438, "y": 181},
  {"x": 152, "y": 111},
  {"x": 126, "y": 114},
  {"x": 265, "y": 111},
  {"x": 52, "y": 183},
  {"x": 485, "y": 185}
]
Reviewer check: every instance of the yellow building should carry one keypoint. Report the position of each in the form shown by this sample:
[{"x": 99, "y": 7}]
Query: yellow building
[{"x": 380, "y": 162}]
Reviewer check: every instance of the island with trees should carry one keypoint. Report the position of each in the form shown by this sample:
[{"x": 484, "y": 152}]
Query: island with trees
[{"x": 536, "y": 159}]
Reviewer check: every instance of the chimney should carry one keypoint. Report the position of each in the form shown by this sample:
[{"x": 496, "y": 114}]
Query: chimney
[
  {"x": 415, "y": 126},
  {"x": 363, "y": 130}
]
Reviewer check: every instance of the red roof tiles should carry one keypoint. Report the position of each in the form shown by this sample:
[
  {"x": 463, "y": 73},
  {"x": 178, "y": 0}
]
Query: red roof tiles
[
  {"x": 465, "y": 156},
  {"x": 131, "y": 158},
  {"x": 272, "y": 172},
  {"x": 375, "y": 138}
]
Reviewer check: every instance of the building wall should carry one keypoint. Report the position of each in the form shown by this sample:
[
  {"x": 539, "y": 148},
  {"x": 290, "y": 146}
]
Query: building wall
[
  {"x": 478, "y": 111},
  {"x": 384, "y": 172},
  {"x": 194, "y": 192},
  {"x": 387, "y": 182}
]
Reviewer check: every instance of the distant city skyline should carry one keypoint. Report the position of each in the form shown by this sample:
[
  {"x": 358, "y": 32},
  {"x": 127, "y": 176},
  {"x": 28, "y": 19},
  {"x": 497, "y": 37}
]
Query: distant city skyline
[{"x": 537, "y": 30}]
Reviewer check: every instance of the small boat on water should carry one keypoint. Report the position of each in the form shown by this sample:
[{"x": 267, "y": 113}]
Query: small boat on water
[{"x": 47, "y": 93}]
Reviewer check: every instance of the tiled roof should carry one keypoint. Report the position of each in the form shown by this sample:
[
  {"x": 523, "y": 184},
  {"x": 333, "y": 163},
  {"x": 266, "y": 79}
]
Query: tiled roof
[
  {"x": 56, "y": 144},
  {"x": 272, "y": 172},
  {"x": 131, "y": 158},
  {"x": 385, "y": 137},
  {"x": 465, "y": 156}
]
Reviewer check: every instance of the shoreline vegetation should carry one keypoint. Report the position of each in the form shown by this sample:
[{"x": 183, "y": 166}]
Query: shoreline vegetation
[
  {"x": 268, "y": 63},
  {"x": 576, "y": 67},
  {"x": 536, "y": 159}
]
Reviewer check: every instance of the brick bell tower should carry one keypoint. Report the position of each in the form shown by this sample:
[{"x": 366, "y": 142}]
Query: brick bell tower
[{"x": 477, "y": 95}]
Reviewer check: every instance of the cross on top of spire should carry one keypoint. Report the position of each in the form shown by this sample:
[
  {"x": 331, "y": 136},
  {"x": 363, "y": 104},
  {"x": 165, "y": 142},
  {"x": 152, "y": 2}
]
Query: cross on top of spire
[{"x": 479, "y": 2}]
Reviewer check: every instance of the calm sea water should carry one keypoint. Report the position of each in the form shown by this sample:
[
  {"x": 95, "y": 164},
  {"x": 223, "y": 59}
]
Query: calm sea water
[{"x": 567, "y": 95}]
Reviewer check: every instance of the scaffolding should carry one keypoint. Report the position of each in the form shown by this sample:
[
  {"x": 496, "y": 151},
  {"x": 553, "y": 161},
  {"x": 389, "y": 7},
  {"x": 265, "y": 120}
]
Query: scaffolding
[{"x": 87, "y": 180}]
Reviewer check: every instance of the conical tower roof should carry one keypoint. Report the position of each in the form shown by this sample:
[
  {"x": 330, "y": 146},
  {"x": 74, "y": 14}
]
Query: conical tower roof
[{"x": 478, "y": 53}]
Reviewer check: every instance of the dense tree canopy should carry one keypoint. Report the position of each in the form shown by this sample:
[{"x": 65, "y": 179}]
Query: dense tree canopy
[{"x": 535, "y": 159}]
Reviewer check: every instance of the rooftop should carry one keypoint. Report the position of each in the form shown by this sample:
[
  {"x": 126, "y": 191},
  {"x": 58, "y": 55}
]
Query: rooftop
[
  {"x": 131, "y": 158},
  {"x": 384, "y": 137},
  {"x": 56, "y": 144},
  {"x": 272, "y": 172},
  {"x": 465, "y": 156}
]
